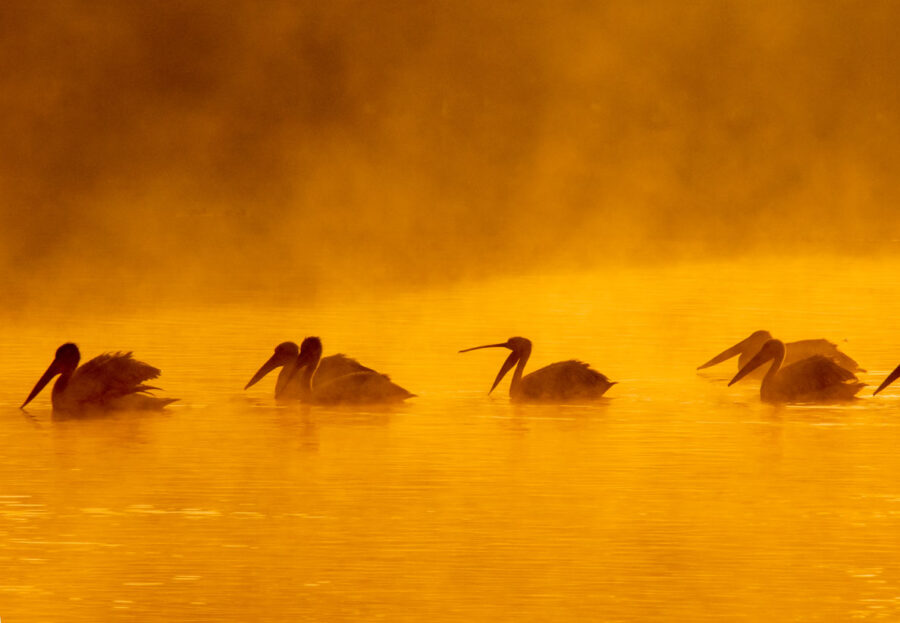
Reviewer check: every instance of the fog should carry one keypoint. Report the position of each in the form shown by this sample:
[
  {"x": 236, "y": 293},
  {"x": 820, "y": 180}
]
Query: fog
[{"x": 208, "y": 150}]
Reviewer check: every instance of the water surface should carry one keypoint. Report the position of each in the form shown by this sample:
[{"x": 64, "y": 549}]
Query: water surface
[{"x": 675, "y": 498}]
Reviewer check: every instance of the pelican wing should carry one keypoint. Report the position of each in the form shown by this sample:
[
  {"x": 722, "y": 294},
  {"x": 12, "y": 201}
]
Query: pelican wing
[
  {"x": 360, "y": 388},
  {"x": 110, "y": 376},
  {"x": 335, "y": 366},
  {"x": 808, "y": 348},
  {"x": 815, "y": 377},
  {"x": 564, "y": 380},
  {"x": 290, "y": 381}
]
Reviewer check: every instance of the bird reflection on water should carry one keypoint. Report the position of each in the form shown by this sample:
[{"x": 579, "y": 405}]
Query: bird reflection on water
[{"x": 108, "y": 382}]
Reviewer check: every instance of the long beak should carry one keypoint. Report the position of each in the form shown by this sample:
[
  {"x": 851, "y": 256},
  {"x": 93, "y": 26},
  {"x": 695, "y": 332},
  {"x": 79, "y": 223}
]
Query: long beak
[
  {"x": 267, "y": 367},
  {"x": 52, "y": 371},
  {"x": 726, "y": 354},
  {"x": 506, "y": 367},
  {"x": 890, "y": 379},
  {"x": 509, "y": 363},
  {"x": 759, "y": 359},
  {"x": 503, "y": 345}
]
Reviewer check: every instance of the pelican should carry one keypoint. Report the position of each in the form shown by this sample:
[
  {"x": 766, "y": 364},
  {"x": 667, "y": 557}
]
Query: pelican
[
  {"x": 814, "y": 379},
  {"x": 559, "y": 382},
  {"x": 108, "y": 382},
  {"x": 890, "y": 379},
  {"x": 363, "y": 387},
  {"x": 287, "y": 386},
  {"x": 794, "y": 351}
]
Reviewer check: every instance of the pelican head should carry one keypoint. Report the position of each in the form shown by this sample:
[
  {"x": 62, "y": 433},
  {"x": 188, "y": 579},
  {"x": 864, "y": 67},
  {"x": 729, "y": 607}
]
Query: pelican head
[
  {"x": 285, "y": 353},
  {"x": 310, "y": 351},
  {"x": 65, "y": 362},
  {"x": 310, "y": 354},
  {"x": 890, "y": 379},
  {"x": 752, "y": 343},
  {"x": 772, "y": 349},
  {"x": 520, "y": 347}
]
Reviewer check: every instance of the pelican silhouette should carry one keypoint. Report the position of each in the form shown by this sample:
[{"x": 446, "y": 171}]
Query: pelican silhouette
[
  {"x": 287, "y": 386},
  {"x": 890, "y": 379},
  {"x": 559, "y": 382},
  {"x": 814, "y": 379},
  {"x": 107, "y": 382},
  {"x": 794, "y": 351},
  {"x": 362, "y": 387}
]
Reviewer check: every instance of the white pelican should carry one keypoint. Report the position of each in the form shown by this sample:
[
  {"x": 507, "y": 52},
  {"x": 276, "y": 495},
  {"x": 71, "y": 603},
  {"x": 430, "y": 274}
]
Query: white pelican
[
  {"x": 287, "y": 386},
  {"x": 559, "y": 382},
  {"x": 364, "y": 387},
  {"x": 794, "y": 351},
  {"x": 890, "y": 379},
  {"x": 107, "y": 382},
  {"x": 814, "y": 379}
]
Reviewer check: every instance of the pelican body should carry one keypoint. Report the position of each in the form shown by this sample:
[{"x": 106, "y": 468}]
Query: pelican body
[
  {"x": 361, "y": 387},
  {"x": 108, "y": 382},
  {"x": 814, "y": 379},
  {"x": 890, "y": 379},
  {"x": 286, "y": 356},
  {"x": 563, "y": 381},
  {"x": 794, "y": 351}
]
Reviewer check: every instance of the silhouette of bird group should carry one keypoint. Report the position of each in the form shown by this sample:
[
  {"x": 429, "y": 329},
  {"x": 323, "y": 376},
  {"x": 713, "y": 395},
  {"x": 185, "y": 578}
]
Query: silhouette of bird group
[{"x": 808, "y": 371}]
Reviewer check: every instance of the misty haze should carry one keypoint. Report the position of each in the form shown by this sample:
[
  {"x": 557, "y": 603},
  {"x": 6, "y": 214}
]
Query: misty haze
[{"x": 245, "y": 248}]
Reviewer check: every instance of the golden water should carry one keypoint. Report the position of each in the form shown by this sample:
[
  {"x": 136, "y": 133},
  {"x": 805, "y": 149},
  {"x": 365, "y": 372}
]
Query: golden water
[{"x": 674, "y": 499}]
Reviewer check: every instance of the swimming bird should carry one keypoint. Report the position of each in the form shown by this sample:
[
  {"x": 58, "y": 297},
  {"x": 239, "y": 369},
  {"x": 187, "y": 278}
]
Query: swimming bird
[
  {"x": 794, "y": 351},
  {"x": 559, "y": 382},
  {"x": 890, "y": 379},
  {"x": 363, "y": 387},
  {"x": 814, "y": 379},
  {"x": 110, "y": 381},
  {"x": 287, "y": 386}
]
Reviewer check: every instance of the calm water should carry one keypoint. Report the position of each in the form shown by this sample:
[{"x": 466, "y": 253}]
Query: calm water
[{"x": 675, "y": 499}]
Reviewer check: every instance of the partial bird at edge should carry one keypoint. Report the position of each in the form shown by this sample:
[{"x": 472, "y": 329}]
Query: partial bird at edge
[{"x": 893, "y": 376}]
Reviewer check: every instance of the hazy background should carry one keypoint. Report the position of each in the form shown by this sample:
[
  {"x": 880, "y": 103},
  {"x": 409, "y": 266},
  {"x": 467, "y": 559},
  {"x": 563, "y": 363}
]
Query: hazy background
[{"x": 205, "y": 149}]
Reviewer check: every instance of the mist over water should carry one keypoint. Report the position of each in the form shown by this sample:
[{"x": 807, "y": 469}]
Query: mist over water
[
  {"x": 674, "y": 498},
  {"x": 189, "y": 149},
  {"x": 635, "y": 185}
]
